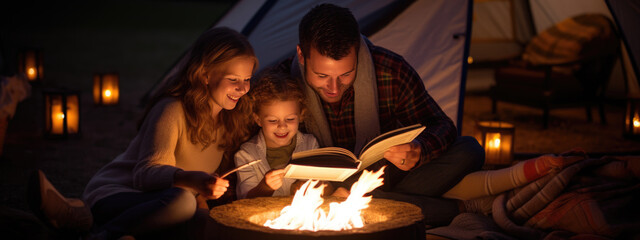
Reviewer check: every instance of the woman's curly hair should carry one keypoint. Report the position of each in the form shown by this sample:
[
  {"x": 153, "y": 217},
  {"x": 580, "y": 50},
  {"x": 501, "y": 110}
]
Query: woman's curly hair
[{"x": 211, "y": 51}]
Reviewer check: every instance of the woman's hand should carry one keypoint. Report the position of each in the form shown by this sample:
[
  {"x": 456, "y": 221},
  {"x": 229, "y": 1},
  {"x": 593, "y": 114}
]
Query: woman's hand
[
  {"x": 404, "y": 156},
  {"x": 273, "y": 178},
  {"x": 207, "y": 185}
]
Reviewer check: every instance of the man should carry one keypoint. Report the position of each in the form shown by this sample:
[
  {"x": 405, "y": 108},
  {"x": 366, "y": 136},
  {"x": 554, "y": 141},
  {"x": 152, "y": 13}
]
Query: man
[{"x": 356, "y": 91}]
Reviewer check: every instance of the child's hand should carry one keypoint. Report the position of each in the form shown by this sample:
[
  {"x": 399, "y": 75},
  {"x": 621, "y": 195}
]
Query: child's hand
[
  {"x": 205, "y": 184},
  {"x": 274, "y": 178}
]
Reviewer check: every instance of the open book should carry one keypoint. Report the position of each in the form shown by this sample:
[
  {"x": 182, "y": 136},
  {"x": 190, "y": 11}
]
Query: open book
[{"x": 337, "y": 164}]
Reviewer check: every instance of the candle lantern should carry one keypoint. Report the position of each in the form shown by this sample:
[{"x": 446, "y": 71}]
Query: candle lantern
[
  {"x": 632, "y": 118},
  {"x": 30, "y": 63},
  {"x": 62, "y": 113},
  {"x": 105, "y": 88},
  {"x": 497, "y": 139}
]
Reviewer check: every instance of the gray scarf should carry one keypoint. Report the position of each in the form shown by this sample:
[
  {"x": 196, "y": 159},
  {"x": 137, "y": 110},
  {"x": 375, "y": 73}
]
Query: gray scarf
[{"x": 365, "y": 88}]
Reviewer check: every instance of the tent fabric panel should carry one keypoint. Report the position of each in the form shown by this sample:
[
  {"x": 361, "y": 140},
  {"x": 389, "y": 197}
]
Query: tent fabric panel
[
  {"x": 236, "y": 18},
  {"x": 433, "y": 46},
  {"x": 493, "y": 20},
  {"x": 276, "y": 35},
  {"x": 501, "y": 29},
  {"x": 627, "y": 16}
]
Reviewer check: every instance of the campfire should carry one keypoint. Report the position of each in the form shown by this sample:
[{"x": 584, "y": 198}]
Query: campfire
[
  {"x": 305, "y": 213},
  {"x": 309, "y": 215}
]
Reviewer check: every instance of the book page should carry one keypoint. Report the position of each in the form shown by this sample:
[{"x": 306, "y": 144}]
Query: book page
[
  {"x": 375, "y": 152},
  {"x": 319, "y": 173},
  {"x": 324, "y": 151}
]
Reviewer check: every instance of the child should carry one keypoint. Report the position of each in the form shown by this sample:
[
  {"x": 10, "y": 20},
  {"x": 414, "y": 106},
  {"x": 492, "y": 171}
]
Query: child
[
  {"x": 181, "y": 142},
  {"x": 277, "y": 107}
]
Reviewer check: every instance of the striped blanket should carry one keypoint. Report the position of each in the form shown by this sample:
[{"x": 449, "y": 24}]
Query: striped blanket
[
  {"x": 575, "y": 200},
  {"x": 587, "y": 200}
]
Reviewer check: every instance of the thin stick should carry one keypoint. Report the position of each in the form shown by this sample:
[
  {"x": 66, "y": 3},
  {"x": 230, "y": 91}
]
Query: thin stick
[{"x": 241, "y": 167}]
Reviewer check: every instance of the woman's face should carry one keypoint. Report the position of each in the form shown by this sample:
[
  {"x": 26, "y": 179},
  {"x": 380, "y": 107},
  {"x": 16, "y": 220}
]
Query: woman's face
[
  {"x": 279, "y": 121},
  {"x": 231, "y": 83}
]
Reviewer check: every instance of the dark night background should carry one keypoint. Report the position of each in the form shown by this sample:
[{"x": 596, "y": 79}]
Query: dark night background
[{"x": 140, "y": 40}]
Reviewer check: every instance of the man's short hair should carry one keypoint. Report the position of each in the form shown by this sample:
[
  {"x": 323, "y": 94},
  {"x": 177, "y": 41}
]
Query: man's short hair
[{"x": 330, "y": 29}]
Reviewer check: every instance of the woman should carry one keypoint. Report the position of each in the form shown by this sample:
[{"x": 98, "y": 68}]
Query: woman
[{"x": 183, "y": 137}]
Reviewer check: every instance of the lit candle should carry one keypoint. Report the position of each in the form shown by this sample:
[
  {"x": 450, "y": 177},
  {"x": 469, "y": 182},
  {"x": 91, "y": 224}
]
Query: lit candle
[
  {"x": 636, "y": 124},
  {"x": 30, "y": 65},
  {"x": 57, "y": 117},
  {"x": 105, "y": 89},
  {"x": 493, "y": 146},
  {"x": 31, "y": 73},
  {"x": 106, "y": 96}
]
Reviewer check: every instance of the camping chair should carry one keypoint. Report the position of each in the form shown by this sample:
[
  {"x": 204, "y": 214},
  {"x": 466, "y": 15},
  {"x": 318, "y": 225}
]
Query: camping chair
[{"x": 566, "y": 65}]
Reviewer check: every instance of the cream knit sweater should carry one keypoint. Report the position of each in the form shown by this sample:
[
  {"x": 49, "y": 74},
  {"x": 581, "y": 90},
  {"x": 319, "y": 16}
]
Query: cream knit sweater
[{"x": 153, "y": 156}]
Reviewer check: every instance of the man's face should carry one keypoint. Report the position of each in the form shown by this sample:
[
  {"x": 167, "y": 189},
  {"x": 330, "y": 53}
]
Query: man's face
[{"x": 330, "y": 78}]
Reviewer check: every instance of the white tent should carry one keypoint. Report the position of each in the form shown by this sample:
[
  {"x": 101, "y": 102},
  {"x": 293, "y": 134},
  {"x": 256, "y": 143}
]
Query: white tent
[
  {"x": 434, "y": 35},
  {"x": 501, "y": 29},
  {"x": 430, "y": 34}
]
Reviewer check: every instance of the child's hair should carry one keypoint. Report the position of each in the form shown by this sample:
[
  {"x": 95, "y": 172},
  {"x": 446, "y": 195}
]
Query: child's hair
[
  {"x": 212, "y": 49},
  {"x": 274, "y": 85}
]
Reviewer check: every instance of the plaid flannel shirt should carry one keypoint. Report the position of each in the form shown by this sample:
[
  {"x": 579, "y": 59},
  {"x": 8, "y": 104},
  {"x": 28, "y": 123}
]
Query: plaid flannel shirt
[{"x": 402, "y": 100}]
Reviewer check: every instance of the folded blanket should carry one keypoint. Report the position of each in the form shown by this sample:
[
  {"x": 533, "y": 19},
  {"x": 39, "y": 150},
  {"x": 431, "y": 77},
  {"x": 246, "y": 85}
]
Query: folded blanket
[{"x": 572, "y": 39}]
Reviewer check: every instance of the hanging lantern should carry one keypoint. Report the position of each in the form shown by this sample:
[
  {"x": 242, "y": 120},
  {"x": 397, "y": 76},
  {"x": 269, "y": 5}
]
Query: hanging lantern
[
  {"x": 105, "y": 88},
  {"x": 30, "y": 63},
  {"x": 632, "y": 119},
  {"x": 497, "y": 138},
  {"x": 62, "y": 113}
]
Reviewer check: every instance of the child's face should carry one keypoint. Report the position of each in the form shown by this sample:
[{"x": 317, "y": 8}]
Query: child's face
[
  {"x": 279, "y": 121},
  {"x": 232, "y": 82}
]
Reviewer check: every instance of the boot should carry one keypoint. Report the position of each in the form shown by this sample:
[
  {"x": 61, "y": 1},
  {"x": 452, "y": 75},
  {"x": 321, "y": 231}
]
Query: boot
[{"x": 65, "y": 214}]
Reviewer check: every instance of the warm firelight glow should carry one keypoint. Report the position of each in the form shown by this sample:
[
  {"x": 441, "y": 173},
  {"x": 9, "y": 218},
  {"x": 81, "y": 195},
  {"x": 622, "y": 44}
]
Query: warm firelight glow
[
  {"x": 304, "y": 213},
  {"x": 31, "y": 73},
  {"x": 107, "y": 93}
]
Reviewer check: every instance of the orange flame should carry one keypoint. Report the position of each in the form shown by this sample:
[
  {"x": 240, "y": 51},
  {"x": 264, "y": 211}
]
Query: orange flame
[{"x": 304, "y": 213}]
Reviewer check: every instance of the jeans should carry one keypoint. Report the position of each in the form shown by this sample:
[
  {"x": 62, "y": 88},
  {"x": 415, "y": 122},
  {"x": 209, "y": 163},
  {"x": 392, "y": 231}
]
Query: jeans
[
  {"x": 136, "y": 213},
  {"x": 425, "y": 185}
]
